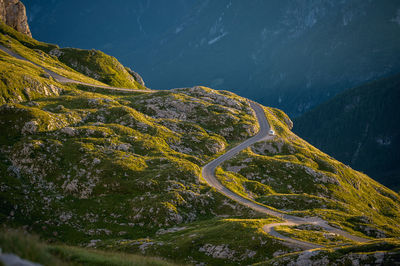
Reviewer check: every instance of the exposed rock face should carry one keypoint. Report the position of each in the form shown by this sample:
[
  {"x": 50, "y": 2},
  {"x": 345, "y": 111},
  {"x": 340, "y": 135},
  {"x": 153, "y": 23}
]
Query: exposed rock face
[
  {"x": 13, "y": 13},
  {"x": 135, "y": 75}
]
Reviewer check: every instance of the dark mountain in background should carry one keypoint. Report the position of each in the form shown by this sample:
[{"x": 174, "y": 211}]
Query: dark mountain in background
[
  {"x": 360, "y": 127},
  {"x": 122, "y": 28},
  {"x": 288, "y": 54}
]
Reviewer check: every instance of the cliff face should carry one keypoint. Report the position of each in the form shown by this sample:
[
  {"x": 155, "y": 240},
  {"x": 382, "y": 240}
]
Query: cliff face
[{"x": 13, "y": 13}]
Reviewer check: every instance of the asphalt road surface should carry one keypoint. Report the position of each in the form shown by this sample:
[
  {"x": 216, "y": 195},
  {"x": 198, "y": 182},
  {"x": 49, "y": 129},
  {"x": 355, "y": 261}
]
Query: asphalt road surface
[
  {"x": 208, "y": 173},
  {"x": 63, "y": 79}
]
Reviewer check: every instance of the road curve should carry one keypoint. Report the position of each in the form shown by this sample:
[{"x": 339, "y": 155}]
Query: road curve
[
  {"x": 63, "y": 79},
  {"x": 209, "y": 169},
  {"x": 208, "y": 173},
  {"x": 269, "y": 228}
]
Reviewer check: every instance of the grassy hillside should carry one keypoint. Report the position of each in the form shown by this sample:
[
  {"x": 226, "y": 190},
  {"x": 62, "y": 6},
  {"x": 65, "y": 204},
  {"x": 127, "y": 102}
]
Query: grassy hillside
[
  {"x": 361, "y": 128},
  {"x": 22, "y": 81},
  {"x": 92, "y": 67},
  {"x": 382, "y": 252},
  {"x": 31, "y": 248},
  {"x": 121, "y": 171},
  {"x": 36, "y": 52},
  {"x": 98, "y": 65},
  {"x": 289, "y": 174}
]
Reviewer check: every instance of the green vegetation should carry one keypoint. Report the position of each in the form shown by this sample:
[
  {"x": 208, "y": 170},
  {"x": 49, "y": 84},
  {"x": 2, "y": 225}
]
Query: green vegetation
[
  {"x": 289, "y": 174},
  {"x": 215, "y": 242},
  {"x": 97, "y": 65},
  {"x": 378, "y": 252},
  {"x": 314, "y": 234},
  {"x": 109, "y": 171},
  {"x": 25, "y": 40},
  {"x": 26, "y": 246},
  {"x": 39, "y": 57},
  {"x": 103, "y": 156},
  {"x": 29, "y": 247},
  {"x": 120, "y": 171},
  {"x": 22, "y": 81},
  {"x": 94, "y": 65}
]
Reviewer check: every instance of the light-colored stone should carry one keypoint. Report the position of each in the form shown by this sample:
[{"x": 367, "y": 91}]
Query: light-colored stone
[
  {"x": 13, "y": 13},
  {"x": 30, "y": 127}
]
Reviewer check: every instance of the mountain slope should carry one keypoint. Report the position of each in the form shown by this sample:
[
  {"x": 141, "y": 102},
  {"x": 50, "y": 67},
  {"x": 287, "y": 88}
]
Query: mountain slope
[
  {"x": 26, "y": 85},
  {"x": 361, "y": 128},
  {"x": 121, "y": 170},
  {"x": 289, "y": 54},
  {"x": 30, "y": 248},
  {"x": 97, "y": 65},
  {"x": 288, "y": 173}
]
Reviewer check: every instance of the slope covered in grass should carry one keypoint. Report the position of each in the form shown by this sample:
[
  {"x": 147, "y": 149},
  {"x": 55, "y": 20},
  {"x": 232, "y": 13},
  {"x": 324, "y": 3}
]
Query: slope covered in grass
[
  {"x": 289, "y": 174},
  {"x": 38, "y": 56},
  {"x": 107, "y": 169},
  {"x": 380, "y": 252},
  {"x": 22, "y": 81},
  {"x": 31, "y": 248},
  {"x": 92, "y": 168},
  {"x": 98, "y": 65},
  {"x": 92, "y": 67},
  {"x": 214, "y": 242},
  {"x": 121, "y": 171}
]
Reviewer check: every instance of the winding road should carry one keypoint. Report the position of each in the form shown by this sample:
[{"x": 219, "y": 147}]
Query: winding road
[{"x": 208, "y": 171}]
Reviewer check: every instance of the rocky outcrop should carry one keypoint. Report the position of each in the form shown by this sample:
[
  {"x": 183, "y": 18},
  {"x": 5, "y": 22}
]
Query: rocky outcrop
[
  {"x": 13, "y": 13},
  {"x": 135, "y": 75}
]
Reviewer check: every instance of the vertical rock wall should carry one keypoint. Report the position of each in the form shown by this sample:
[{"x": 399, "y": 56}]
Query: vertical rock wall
[{"x": 13, "y": 13}]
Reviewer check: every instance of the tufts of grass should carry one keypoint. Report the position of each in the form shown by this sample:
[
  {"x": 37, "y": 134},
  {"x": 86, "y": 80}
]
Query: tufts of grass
[
  {"x": 81, "y": 256},
  {"x": 21, "y": 81},
  {"x": 30, "y": 247},
  {"x": 296, "y": 177},
  {"x": 26, "y": 246},
  {"x": 379, "y": 252},
  {"x": 314, "y": 235},
  {"x": 214, "y": 242},
  {"x": 98, "y": 65},
  {"x": 40, "y": 57}
]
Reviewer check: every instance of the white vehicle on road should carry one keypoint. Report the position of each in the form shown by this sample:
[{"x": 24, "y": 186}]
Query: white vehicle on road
[{"x": 208, "y": 173}]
